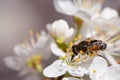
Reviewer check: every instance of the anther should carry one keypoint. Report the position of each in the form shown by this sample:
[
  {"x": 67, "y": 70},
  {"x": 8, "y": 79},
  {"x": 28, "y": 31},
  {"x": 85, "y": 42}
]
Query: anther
[
  {"x": 75, "y": 39},
  {"x": 79, "y": 36},
  {"x": 81, "y": 52},
  {"x": 94, "y": 71},
  {"x": 71, "y": 44}
]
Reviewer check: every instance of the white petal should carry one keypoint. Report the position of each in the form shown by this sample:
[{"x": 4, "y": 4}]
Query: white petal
[
  {"x": 109, "y": 13},
  {"x": 79, "y": 72},
  {"x": 60, "y": 27},
  {"x": 65, "y": 7},
  {"x": 57, "y": 51},
  {"x": 98, "y": 68},
  {"x": 115, "y": 52},
  {"x": 69, "y": 33},
  {"x": 56, "y": 69},
  {"x": 84, "y": 15},
  {"x": 70, "y": 78},
  {"x": 21, "y": 51},
  {"x": 113, "y": 73},
  {"x": 42, "y": 41},
  {"x": 14, "y": 63},
  {"x": 86, "y": 30},
  {"x": 110, "y": 58}
]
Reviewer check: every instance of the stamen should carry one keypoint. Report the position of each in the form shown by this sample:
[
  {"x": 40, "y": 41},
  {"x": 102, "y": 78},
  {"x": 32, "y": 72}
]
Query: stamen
[
  {"x": 64, "y": 57},
  {"x": 71, "y": 44},
  {"x": 26, "y": 44},
  {"x": 94, "y": 71},
  {"x": 37, "y": 35},
  {"x": 71, "y": 53},
  {"x": 75, "y": 39},
  {"x": 92, "y": 54},
  {"x": 67, "y": 49},
  {"x": 79, "y": 36},
  {"x": 78, "y": 60},
  {"x": 31, "y": 32},
  {"x": 81, "y": 52}
]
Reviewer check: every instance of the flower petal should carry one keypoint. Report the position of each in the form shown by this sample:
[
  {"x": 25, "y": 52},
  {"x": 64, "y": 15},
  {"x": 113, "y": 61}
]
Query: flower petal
[
  {"x": 60, "y": 27},
  {"x": 97, "y": 68},
  {"x": 14, "y": 63},
  {"x": 65, "y": 6},
  {"x": 57, "y": 51},
  {"x": 109, "y": 13},
  {"x": 86, "y": 30},
  {"x": 84, "y": 15},
  {"x": 112, "y": 73},
  {"x": 69, "y": 33},
  {"x": 56, "y": 69},
  {"x": 70, "y": 78},
  {"x": 42, "y": 40},
  {"x": 21, "y": 51},
  {"x": 79, "y": 71},
  {"x": 110, "y": 58}
]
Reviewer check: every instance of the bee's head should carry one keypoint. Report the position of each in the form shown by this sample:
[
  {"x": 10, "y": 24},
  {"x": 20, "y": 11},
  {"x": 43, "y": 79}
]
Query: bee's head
[{"x": 98, "y": 45}]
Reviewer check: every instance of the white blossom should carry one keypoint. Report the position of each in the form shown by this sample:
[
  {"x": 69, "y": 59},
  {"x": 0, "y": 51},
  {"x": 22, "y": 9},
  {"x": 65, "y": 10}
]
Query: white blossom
[
  {"x": 85, "y": 9},
  {"x": 60, "y": 30}
]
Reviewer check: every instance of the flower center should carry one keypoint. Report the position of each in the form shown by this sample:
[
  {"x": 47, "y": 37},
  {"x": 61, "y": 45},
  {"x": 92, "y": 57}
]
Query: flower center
[{"x": 35, "y": 62}]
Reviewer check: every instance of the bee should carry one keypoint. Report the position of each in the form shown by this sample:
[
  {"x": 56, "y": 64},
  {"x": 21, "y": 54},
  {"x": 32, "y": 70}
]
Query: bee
[{"x": 89, "y": 46}]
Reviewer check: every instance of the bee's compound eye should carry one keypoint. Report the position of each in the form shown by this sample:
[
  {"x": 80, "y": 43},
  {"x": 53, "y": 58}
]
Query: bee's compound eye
[{"x": 104, "y": 46}]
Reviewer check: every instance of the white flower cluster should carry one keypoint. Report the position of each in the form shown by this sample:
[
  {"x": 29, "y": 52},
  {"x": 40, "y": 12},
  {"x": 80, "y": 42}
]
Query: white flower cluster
[{"x": 86, "y": 51}]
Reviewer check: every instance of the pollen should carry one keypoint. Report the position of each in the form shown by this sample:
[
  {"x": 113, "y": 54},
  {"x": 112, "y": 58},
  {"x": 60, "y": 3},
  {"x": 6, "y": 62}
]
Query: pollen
[
  {"x": 97, "y": 28},
  {"x": 75, "y": 39},
  {"x": 92, "y": 55},
  {"x": 64, "y": 57},
  {"x": 79, "y": 36},
  {"x": 94, "y": 71},
  {"x": 71, "y": 53},
  {"x": 78, "y": 60},
  {"x": 81, "y": 52},
  {"x": 71, "y": 44}
]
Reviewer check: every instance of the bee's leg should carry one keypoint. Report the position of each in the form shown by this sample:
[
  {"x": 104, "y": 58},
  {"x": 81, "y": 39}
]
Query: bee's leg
[
  {"x": 72, "y": 57},
  {"x": 74, "y": 49}
]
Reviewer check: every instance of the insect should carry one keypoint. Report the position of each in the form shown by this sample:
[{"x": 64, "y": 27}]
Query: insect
[{"x": 89, "y": 46}]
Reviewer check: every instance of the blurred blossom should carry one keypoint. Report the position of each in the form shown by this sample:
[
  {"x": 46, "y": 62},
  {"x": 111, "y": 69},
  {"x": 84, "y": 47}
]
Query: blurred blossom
[
  {"x": 29, "y": 59},
  {"x": 85, "y": 9},
  {"x": 109, "y": 13}
]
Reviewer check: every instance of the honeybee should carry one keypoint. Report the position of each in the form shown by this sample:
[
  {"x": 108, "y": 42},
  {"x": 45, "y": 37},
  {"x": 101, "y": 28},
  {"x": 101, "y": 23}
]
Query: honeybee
[{"x": 89, "y": 46}]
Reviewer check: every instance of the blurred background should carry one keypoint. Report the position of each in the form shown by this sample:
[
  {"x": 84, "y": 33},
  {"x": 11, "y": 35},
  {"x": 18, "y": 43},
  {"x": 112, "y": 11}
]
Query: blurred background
[{"x": 17, "y": 17}]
